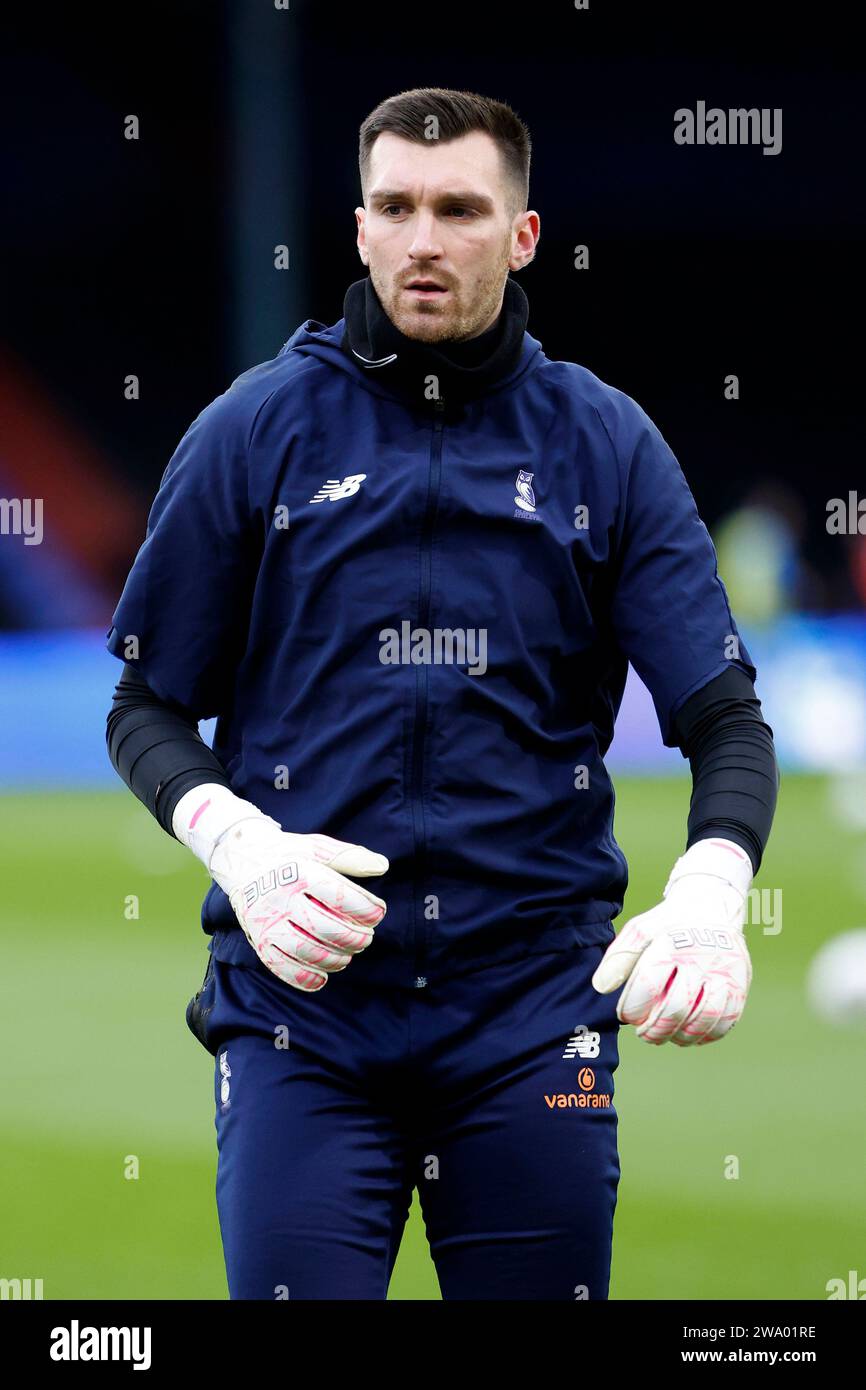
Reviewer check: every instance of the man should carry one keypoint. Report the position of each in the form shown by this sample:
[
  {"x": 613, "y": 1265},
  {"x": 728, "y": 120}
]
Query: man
[{"x": 406, "y": 563}]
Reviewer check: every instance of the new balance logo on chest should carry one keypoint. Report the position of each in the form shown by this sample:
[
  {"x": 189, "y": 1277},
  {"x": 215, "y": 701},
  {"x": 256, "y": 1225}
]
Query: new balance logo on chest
[{"x": 333, "y": 490}]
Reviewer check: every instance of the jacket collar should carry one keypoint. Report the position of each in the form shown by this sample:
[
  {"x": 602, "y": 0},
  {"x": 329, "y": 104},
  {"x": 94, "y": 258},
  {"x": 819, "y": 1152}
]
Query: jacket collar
[{"x": 463, "y": 370}]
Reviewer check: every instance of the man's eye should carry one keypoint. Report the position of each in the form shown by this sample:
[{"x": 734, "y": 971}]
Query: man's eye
[
  {"x": 392, "y": 207},
  {"x": 459, "y": 208}
]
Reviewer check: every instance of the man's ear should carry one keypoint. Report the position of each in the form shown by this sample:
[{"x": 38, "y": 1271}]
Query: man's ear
[
  {"x": 528, "y": 233},
  {"x": 360, "y": 215}
]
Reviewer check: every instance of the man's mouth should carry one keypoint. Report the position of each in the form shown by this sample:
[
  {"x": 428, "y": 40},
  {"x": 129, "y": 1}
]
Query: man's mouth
[{"x": 425, "y": 289}]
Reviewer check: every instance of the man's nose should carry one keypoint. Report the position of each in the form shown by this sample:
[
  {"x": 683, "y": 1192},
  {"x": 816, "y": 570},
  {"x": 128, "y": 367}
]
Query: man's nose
[{"x": 425, "y": 244}]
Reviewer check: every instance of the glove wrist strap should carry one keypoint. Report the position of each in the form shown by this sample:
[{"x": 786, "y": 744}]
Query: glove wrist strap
[
  {"x": 715, "y": 858},
  {"x": 205, "y": 815}
]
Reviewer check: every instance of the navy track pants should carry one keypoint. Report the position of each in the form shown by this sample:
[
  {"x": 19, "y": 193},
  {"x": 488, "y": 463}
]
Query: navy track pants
[{"x": 492, "y": 1093}]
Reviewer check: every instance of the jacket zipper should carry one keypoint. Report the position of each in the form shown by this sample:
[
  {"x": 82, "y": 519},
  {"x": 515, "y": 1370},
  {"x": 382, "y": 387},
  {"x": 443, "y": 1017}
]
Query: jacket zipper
[{"x": 422, "y": 679}]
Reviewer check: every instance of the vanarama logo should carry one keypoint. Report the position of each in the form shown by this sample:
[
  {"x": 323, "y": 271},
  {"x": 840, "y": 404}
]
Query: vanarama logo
[{"x": 586, "y": 1098}]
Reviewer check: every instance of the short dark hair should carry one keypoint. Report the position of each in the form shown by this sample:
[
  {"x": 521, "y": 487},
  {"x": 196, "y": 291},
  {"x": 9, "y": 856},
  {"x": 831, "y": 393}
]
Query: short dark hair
[{"x": 456, "y": 114}]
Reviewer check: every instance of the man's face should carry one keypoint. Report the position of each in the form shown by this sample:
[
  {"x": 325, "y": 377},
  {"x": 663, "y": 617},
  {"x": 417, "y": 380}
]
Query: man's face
[{"x": 437, "y": 234}]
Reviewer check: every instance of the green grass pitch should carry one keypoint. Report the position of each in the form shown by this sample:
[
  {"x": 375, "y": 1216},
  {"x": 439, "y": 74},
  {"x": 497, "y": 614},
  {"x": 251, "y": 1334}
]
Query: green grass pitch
[{"x": 98, "y": 1064}]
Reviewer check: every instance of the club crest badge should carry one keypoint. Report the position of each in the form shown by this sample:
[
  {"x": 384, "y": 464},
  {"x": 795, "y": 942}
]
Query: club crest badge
[{"x": 525, "y": 497}]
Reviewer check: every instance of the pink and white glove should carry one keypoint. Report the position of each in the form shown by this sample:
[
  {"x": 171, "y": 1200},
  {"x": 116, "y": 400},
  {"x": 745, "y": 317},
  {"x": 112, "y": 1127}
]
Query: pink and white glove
[
  {"x": 686, "y": 960},
  {"x": 303, "y": 919}
]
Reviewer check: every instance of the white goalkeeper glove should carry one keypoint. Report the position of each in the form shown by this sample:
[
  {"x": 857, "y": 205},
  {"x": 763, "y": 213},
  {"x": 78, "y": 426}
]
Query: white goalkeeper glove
[
  {"x": 302, "y": 918},
  {"x": 686, "y": 960}
]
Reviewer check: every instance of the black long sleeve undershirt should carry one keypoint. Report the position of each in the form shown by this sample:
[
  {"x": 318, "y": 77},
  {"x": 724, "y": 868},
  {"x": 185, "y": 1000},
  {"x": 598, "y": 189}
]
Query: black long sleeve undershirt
[
  {"x": 155, "y": 748},
  {"x": 735, "y": 776},
  {"x": 159, "y": 754}
]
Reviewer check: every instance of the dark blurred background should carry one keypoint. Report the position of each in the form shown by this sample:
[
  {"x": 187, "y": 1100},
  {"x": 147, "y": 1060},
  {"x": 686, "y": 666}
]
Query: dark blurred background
[{"x": 154, "y": 257}]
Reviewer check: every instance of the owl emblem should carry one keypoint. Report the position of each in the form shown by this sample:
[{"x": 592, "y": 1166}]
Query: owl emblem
[{"x": 525, "y": 498}]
